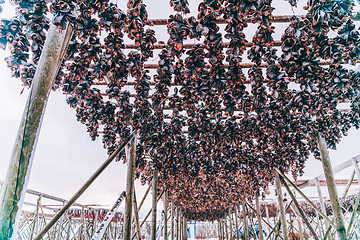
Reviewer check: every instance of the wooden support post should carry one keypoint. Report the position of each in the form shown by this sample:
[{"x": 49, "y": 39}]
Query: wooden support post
[
  {"x": 136, "y": 216},
  {"x": 185, "y": 227},
  {"x": 13, "y": 191},
  {"x": 231, "y": 225},
  {"x": 177, "y": 223},
  {"x": 219, "y": 236},
  {"x": 246, "y": 228},
  {"x": 154, "y": 206},
  {"x": 322, "y": 204},
  {"x": 285, "y": 233},
  {"x": 329, "y": 175},
  {"x": 226, "y": 228},
  {"x": 221, "y": 229},
  {"x": 172, "y": 219},
  {"x": 268, "y": 216},
  {"x": 165, "y": 215},
  {"x": 129, "y": 189},
  {"x": 236, "y": 223},
  {"x": 84, "y": 187},
  {"x": 258, "y": 215},
  {"x": 181, "y": 231}
]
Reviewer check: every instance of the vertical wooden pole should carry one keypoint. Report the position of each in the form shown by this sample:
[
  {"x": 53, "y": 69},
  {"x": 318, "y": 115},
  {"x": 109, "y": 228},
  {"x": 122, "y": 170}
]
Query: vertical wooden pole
[
  {"x": 185, "y": 228},
  {"x": 177, "y": 223},
  {"x": 285, "y": 233},
  {"x": 329, "y": 175},
  {"x": 154, "y": 206},
  {"x": 246, "y": 228},
  {"x": 226, "y": 228},
  {"x": 129, "y": 189},
  {"x": 219, "y": 229},
  {"x": 231, "y": 225},
  {"x": 172, "y": 219},
  {"x": 14, "y": 188},
  {"x": 268, "y": 217},
  {"x": 236, "y": 223},
  {"x": 165, "y": 215},
  {"x": 136, "y": 216},
  {"x": 258, "y": 215},
  {"x": 322, "y": 205}
]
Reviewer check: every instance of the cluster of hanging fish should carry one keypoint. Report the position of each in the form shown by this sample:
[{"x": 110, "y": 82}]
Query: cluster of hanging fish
[{"x": 214, "y": 131}]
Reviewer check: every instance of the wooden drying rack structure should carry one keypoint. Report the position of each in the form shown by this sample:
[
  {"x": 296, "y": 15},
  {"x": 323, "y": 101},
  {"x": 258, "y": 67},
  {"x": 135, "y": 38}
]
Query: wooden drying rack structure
[
  {"x": 49, "y": 63},
  {"x": 245, "y": 216}
]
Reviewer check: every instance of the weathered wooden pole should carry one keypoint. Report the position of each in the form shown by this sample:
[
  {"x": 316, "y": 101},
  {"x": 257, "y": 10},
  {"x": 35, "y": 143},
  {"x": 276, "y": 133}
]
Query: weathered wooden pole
[
  {"x": 258, "y": 215},
  {"x": 246, "y": 228},
  {"x": 177, "y": 223},
  {"x": 330, "y": 182},
  {"x": 322, "y": 204},
  {"x": 172, "y": 219},
  {"x": 129, "y": 189},
  {"x": 185, "y": 228},
  {"x": 231, "y": 225},
  {"x": 226, "y": 228},
  {"x": 136, "y": 216},
  {"x": 18, "y": 173},
  {"x": 285, "y": 233},
  {"x": 268, "y": 217},
  {"x": 154, "y": 206},
  {"x": 165, "y": 215},
  {"x": 236, "y": 223}
]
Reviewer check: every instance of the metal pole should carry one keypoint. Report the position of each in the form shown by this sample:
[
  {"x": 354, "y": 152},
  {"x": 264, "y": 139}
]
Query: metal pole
[
  {"x": 329, "y": 175},
  {"x": 129, "y": 189},
  {"x": 259, "y": 217},
  {"x": 13, "y": 191},
  {"x": 165, "y": 215},
  {"x": 84, "y": 187},
  {"x": 285, "y": 233},
  {"x": 236, "y": 223},
  {"x": 172, "y": 219},
  {"x": 154, "y": 206}
]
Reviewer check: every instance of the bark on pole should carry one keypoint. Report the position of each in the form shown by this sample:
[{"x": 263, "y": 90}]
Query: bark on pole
[
  {"x": 258, "y": 215},
  {"x": 285, "y": 233},
  {"x": 13, "y": 191},
  {"x": 129, "y": 190},
  {"x": 154, "y": 206},
  {"x": 330, "y": 182}
]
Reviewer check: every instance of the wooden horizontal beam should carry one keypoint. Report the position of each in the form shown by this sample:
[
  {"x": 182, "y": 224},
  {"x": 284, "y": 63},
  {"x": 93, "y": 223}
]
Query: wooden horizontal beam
[
  {"x": 336, "y": 169},
  {"x": 338, "y": 182},
  {"x": 189, "y": 46},
  {"x": 275, "y": 19}
]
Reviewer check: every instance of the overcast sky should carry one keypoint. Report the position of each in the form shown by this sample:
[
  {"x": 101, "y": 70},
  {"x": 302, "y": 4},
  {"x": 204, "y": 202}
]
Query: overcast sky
[{"x": 66, "y": 157}]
